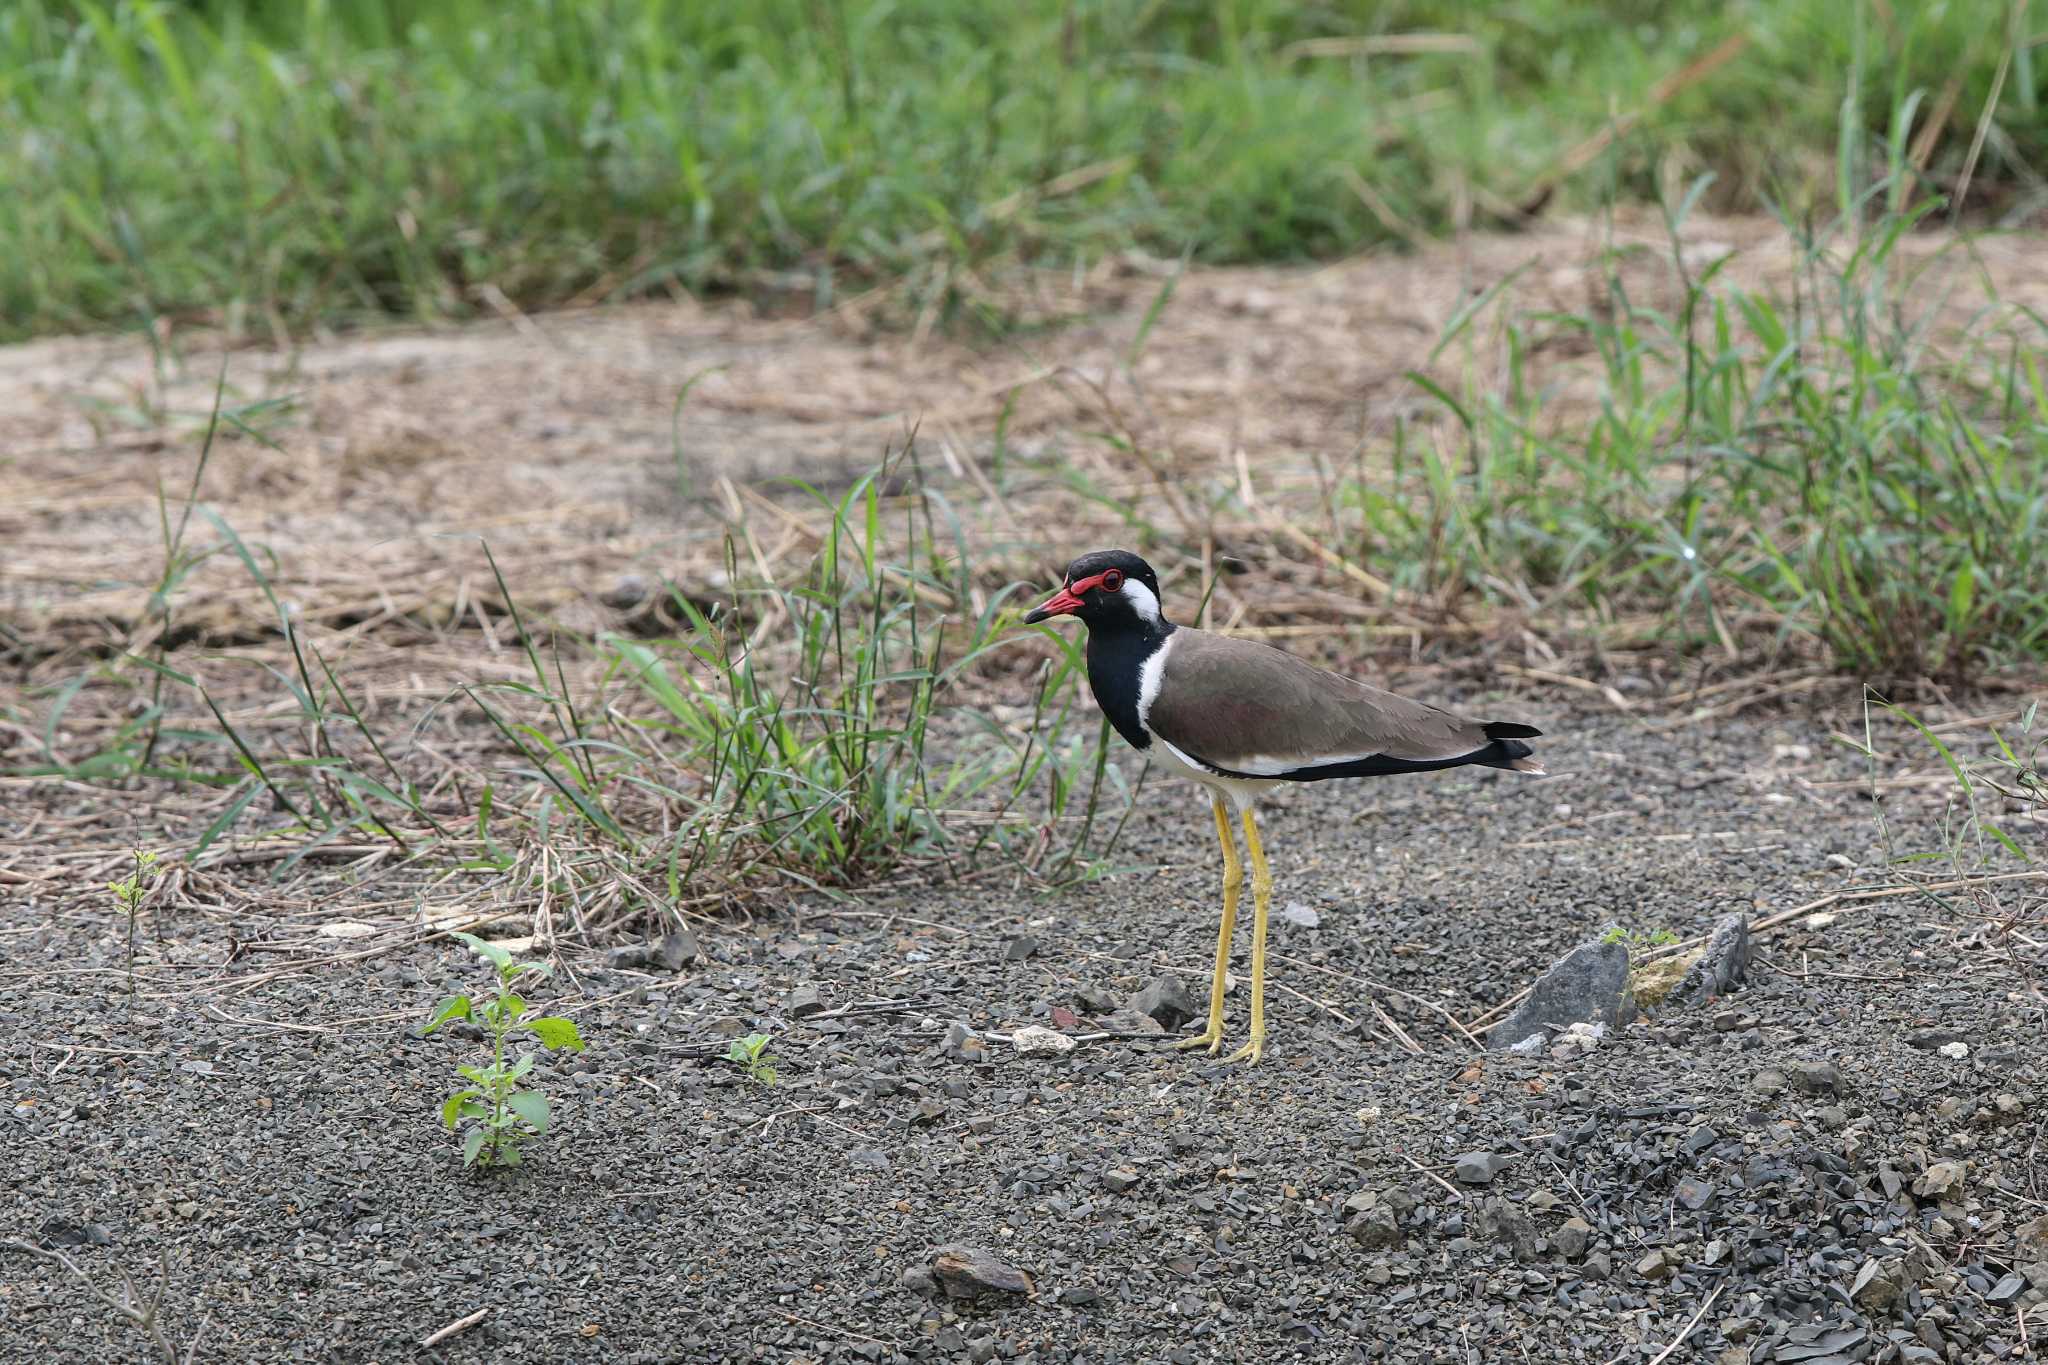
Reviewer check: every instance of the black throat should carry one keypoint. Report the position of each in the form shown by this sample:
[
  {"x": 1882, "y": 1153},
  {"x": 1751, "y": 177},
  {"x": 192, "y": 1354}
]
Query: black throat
[{"x": 1116, "y": 660}]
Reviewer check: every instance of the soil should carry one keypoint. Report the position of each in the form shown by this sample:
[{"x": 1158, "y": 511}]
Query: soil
[
  {"x": 1735, "y": 1167},
  {"x": 1840, "y": 1160}
]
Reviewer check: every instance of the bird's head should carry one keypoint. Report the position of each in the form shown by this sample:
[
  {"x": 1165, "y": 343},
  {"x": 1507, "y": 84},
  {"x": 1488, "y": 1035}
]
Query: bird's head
[{"x": 1106, "y": 588}]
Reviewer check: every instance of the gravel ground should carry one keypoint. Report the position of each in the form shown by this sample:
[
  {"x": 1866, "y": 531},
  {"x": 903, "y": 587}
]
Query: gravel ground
[{"x": 1840, "y": 1161}]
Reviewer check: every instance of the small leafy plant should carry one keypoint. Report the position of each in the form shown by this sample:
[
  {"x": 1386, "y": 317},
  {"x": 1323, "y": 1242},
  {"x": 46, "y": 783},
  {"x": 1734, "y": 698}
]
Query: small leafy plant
[
  {"x": 752, "y": 1056},
  {"x": 1656, "y": 938},
  {"x": 501, "y": 1114},
  {"x": 129, "y": 893}
]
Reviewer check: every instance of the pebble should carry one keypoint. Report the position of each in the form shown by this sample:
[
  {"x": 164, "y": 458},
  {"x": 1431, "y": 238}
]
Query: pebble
[
  {"x": 1165, "y": 1000},
  {"x": 1816, "y": 1078},
  {"x": 1769, "y": 1081},
  {"x": 1957, "y": 1051},
  {"x": 1572, "y": 1237},
  {"x": 973, "y": 1272},
  {"x": 1479, "y": 1168},
  {"x": 1300, "y": 915},
  {"x": 803, "y": 1002},
  {"x": 1034, "y": 1040},
  {"x": 1018, "y": 947}
]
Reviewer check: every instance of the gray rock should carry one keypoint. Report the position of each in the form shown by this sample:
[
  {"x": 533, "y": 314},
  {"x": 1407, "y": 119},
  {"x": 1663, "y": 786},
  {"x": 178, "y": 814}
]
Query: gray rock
[
  {"x": 1817, "y": 1078},
  {"x": 1769, "y": 1081},
  {"x": 1165, "y": 1000},
  {"x": 1656, "y": 1264},
  {"x": 868, "y": 1159},
  {"x": 1479, "y": 1168},
  {"x": 1572, "y": 1238},
  {"x": 972, "y": 1272},
  {"x": 678, "y": 949},
  {"x": 1120, "y": 1179},
  {"x": 2007, "y": 1289},
  {"x": 1587, "y": 985},
  {"x": 1298, "y": 914},
  {"x": 1695, "y": 1193},
  {"x": 1720, "y": 965},
  {"x": 629, "y": 591},
  {"x": 803, "y": 1002},
  {"x": 1365, "y": 1201},
  {"x": 1376, "y": 1229},
  {"x": 1879, "y": 1284},
  {"x": 1089, "y": 1000},
  {"x": 1019, "y": 947},
  {"x": 1506, "y": 1225},
  {"x": 630, "y": 955},
  {"x": 962, "y": 1042}
]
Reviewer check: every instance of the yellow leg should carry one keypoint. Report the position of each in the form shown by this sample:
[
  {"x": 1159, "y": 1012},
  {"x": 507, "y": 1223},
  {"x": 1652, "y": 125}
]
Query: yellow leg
[
  {"x": 1262, "y": 901},
  {"x": 1233, "y": 880}
]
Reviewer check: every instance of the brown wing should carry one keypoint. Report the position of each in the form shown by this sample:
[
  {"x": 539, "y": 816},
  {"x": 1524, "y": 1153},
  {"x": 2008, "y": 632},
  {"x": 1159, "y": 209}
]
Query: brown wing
[{"x": 1252, "y": 709}]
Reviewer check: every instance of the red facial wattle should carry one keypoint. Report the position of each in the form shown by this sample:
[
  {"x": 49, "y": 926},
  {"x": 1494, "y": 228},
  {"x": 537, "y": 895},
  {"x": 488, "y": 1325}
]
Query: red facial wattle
[{"x": 1068, "y": 601}]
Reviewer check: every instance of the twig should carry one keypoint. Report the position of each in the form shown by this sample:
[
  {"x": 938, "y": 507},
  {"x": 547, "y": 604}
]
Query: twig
[
  {"x": 433, "y": 1339},
  {"x": 146, "y": 1317},
  {"x": 1679, "y": 1340},
  {"x": 1456, "y": 1193}
]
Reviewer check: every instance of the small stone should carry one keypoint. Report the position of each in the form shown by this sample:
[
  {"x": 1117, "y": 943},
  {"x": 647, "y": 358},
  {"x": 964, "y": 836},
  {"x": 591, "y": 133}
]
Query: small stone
[
  {"x": 1120, "y": 1179},
  {"x": 971, "y": 1272},
  {"x": 1572, "y": 1238},
  {"x": 868, "y": 1159},
  {"x": 2033, "y": 1238},
  {"x": 1817, "y": 1078},
  {"x": 1652, "y": 983},
  {"x": 1957, "y": 1051},
  {"x": 1599, "y": 1266},
  {"x": 678, "y": 949},
  {"x": 961, "y": 1042},
  {"x": 1033, "y": 1040},
  {"x": 626, "y": 592},
  {"x": 1507, "y": 1226},
  {"x": 1654, "y": 1266},
  {"x": 1131, "y": 1022},
  {"x": 1018, "y": 947},
  {"x": 1716, "y": 1252},
  {"x": 1727, "y": 1021},
  {"x": 1365, "y": 1201},
  {"x": 1376, "y": 1229},
  {"x": 2008, "y": 1288},
  {"x": 803, "y": 1002},
  {"x": 981, "y": 1350},
  {"x": 1301, "y": 915},
  {"x": 1940, "y": 1178},
  {"x": 627, "y": 956},
  {"x": 1079, "y": 1295},
  {"x": 1589, "y": 983},
  {"x": 1530, "y": 1046},
  {"x": 1719, "y": 966},
  {"x": 917, "y": 1279},
  {"x": 1769, "y": 1081},
  {"x": 1092, "y": 1001},
  {"x": 1695, "y": 1194},
  {"x": 1479, "y": 1168},
  {"x": 729, "y": 1026},
  {"x": 1880, "y": 1283},
  {"x": 1164, "y": 1000}
]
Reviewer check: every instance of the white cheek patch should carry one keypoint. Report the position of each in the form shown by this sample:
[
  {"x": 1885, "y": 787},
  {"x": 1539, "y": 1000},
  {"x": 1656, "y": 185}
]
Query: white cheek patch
[{"x": 1141, "y": 599}]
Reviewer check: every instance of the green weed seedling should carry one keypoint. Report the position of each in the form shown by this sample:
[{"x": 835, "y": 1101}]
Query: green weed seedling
[
  {"x": 499, "y": 1112},
  {"x": 752, "y": 1056},
  {"x": 129, "y": 893}
]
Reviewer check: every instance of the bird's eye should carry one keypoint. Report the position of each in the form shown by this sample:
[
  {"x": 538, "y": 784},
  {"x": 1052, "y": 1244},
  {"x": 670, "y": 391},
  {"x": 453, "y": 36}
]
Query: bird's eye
[{"x": 1113, "y": 580}]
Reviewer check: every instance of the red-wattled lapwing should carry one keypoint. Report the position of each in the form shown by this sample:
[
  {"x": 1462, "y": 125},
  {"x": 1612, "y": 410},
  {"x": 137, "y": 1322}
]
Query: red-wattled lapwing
[{"x": 1240, "y": 717}]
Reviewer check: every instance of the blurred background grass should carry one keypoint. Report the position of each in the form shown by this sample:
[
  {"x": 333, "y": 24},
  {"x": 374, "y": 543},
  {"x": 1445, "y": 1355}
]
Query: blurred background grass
[{"x": 272, "y": 166}]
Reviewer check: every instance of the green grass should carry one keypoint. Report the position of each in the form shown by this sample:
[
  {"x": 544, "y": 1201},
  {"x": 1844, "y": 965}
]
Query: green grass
[
  {"x": 1808, "y": 464},
  {"x": 815, "y": 733},
  {"x": 274, "y": 166}
]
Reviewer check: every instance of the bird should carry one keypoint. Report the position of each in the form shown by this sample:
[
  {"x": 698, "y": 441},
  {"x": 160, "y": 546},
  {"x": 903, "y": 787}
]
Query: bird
[{"x": 1240, "y": 717}]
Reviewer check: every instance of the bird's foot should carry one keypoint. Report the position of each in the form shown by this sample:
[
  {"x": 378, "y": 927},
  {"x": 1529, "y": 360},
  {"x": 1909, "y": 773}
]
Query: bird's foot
[
  {"x": 1210, "y": 1038},
  {"x": 1250, "y": 1053}
]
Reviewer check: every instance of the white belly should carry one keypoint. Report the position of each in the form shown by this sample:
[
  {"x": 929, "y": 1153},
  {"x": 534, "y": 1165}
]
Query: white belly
[{"x": 1239, "y": 791}]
